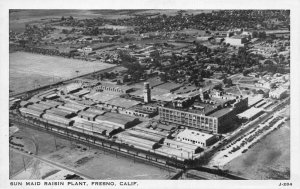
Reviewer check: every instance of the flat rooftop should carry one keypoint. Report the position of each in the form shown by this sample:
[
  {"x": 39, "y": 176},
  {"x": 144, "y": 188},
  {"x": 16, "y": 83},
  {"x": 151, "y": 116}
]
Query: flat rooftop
[
  {"x": 72, "y": 86},
  {"x": 220, "y": 112},
  {"x": 156, "y": 94},
  {"x": 122, "y": 102},
  {"x": 153, "y": 82},
  {"x": 192, "y": 134},
  {"x": 250, "y": 113},
  {"x": 237, "y": 37},
  {"x": 206, "y": 108},
  {"x": 169, "y": 86},
  {"x": 254, "y": 99},
  {"x": 101, "y": 96}
]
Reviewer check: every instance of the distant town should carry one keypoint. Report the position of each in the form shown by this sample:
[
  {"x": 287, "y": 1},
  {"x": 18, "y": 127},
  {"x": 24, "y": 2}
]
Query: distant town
[{"x": 167, "y": 94}]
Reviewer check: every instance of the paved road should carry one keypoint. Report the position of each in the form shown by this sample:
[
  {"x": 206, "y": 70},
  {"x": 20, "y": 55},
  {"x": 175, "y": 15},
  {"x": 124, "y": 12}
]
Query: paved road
[
  {"x": 211, "y": 152},
  {"x": 52, "y": 163}
]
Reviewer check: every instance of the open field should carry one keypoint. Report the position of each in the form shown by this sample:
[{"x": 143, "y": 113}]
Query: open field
[
  {"x": 18, "y": 19},
  {"x": 36, "y": 170},
  {"x": 27, "y": 70},
  {"x": 269, "y": 159},
  {"x": 94, "y": 163},
  {"x": 17, "y": 162}
]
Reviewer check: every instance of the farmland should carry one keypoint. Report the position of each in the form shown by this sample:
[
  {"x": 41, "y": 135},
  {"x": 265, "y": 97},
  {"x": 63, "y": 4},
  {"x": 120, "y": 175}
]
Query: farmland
[
  {"x": 27, "y": 71},
  {"x": 18, "y": 19}
]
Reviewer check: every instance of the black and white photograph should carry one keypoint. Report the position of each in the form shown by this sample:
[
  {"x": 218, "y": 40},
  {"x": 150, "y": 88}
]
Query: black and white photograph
[{"x": 113, "y": 97}]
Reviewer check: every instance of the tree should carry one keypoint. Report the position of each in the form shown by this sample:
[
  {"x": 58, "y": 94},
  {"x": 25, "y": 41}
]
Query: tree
[
  {"x": 65, "y": 31},
  {"x": 95, "y": 31},
  {"x": 262, "y": 35},
  {"x": 246, "y": 72},
  {"x": 200, "y": 78},
  {"x": 255, "y": 34},
  {"x": 227, "y": 81},
  {"x": 22, "y": 42},
  {"x": 163, "y": 77},
  {"x": 218, "y": 87}
]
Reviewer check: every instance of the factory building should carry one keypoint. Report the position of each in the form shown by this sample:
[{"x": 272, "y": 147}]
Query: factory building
[
  {"x": 237, "y": 40},
  {"x": 71, "y": 88},
  {"x": 59, "y": 112},
  {"x": 119, "y": 120},
  {"x": 147, "y": 130},
  {"x": 143, "y": 135},
  {"x": 278, "y": 93},
  {"x": 141, "y": 111},
  {"x": 197, "y": 138},
  {"x": 120, "y": 103},
  {"x": 92, "y": 127},
  {"x": 29, "y": 112},
  {"x": 96, "y": 110},
  {"x": 48, "y": 104},
  {"x": 90, "y": 116},
  {"x": 192, "y": 148},
  {"x": 25, "y": 103},
  {"x": 56, "y": 119},
  {"x": 76, "y": 106},
  {"x": 147, "y": 92},
  {"x": 214, "y": 112},
  {"x": 137, "y": 142},
  {"x": 113, "y": 88},
  {"x": 250, "y": 114},
  {"x": 39, "y": 107}
]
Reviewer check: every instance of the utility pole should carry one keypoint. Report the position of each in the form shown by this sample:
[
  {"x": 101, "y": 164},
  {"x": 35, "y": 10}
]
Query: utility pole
[
  {"x": 55, "y": 142},
  {"x": 10, "y": 161},
  {"x": 24, "y": 162}
]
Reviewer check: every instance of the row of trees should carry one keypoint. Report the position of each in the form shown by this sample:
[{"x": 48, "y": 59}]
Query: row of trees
[
  {"x": 261, "y": 35},
  {"x": 134, "y": 68}
]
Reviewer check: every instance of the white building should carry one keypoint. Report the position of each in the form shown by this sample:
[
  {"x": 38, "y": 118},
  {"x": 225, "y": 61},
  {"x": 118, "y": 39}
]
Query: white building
[
  {"x": 278, "y": 93},
  {"x": 236, "y": 40},
  {"x": 264, "y": 83},
  {"x": 195, "y": 137}
]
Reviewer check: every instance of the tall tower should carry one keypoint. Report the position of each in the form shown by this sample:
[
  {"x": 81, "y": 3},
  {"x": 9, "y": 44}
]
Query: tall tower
[
  {"x": 201, "y": 94},
  {"x": 147, "y": 92}
]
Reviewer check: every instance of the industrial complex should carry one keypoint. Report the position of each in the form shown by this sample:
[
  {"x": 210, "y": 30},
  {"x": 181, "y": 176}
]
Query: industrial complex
[{"x": 190, "y": 94}]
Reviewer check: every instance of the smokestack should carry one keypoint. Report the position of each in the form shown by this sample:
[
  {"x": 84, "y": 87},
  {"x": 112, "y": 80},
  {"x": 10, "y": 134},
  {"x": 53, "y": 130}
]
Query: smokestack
[
  {"x": 147, "y": 92},
  {"x": 201, "y": 94}
]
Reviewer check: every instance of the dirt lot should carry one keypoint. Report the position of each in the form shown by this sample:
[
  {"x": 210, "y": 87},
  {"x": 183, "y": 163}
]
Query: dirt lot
[
  {"x": 269, "y": 159},
  {"x": 16, "y": 163},
  {"x": 38, "y": 169},
  {"x": 27, "y": 70},
  {"x": 94, "y": 163}
]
